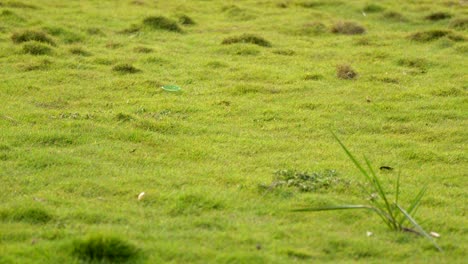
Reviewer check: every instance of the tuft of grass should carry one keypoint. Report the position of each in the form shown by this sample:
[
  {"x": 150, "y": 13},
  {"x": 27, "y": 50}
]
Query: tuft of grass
[
  {"x": 394, "y": 16},
  {"x": 31, "y": 35},
  {"x": 459, "y": 24},
  {"x": 247, "y": 38},
  {"x": 79, "y": 51},
  {"x": 344, "y": 71},
  {"x": 104, "y": 249},
  {"x": 438, "y": 16},
  {"x": 313, "y": 77},
  {"x": 373, "y": 8},
  {"x": 348, "y": 28},
  {"x": 125, "y": 68},
  {"x": 142, "y": 49},
  {"x": 161, "y": 23},
  {"x": 30, "y": 215},
  {"x": 36, "y": 48},
  {"x": 313, "y": 28},
  {"x": 186, "y": 20},
  {"x": 418, "y": 63},
  {"x": 430, "y": 35},
  {"x": 17, "y": 4},
  {"x": 391, "y": 212},
  {"x": 134, "y": 28}
]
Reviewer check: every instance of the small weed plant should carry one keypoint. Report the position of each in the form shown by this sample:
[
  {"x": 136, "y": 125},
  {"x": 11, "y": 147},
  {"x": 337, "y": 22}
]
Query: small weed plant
[{"x": 391, "y": 212}]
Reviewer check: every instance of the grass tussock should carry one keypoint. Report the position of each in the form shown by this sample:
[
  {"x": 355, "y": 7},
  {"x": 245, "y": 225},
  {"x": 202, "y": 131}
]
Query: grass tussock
[
  {"x": 313, "y": 77},
  {"x": 237, "y": 13},
  {"x": 417, "y": 63},
  {"x": 313, "y": 28},
  {"x": 142, "y": 49},
  {"x": 186, "y": 20},
  {"x": 248, "y": 39},
  {"x": 459, "y": 24},
  {"x": 394, "y": 16},
  {"x": 17, "y": 4},
  {"x": 348, "y": 28},
  {"x": 94, "y": 31},
  {"x": 373, "y": 8},
  {"x": 36, "y": 48},
  {"x": 28, "y": 215},
  {"x": 65, "y": 35},
  {"x": 345, "y": 72},
  {"x": 104, "y": 249},
  {"x": 162, "y": 23},
  {"x": 125, "y": 68},
  {"x": 436, "y": 16},
  {"x": 431, "y": 35},
  {"x": 32, "y": 35},
  {"x": 79, "y": 51}
]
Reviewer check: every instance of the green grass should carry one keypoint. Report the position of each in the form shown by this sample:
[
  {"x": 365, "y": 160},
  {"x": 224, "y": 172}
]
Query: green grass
[{"x": 85, "y": 127}]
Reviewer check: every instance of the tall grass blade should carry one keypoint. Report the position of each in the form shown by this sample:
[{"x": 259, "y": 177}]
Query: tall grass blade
[
  {"x": 353, "y": 159},
  {"x": 415, "y": 203},
  {"x": 418, "y": 227},
  {"x": 381, "y": 191},
  {"x": 397, "y": 187}
]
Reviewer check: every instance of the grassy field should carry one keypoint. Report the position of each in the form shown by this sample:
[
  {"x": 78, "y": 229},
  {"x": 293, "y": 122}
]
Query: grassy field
[{"x": 85, "y": 128}]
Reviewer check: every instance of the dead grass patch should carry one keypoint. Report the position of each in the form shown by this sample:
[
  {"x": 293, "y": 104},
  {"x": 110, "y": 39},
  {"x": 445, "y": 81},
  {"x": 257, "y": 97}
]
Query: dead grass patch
[{"x": 348, "y": 28}]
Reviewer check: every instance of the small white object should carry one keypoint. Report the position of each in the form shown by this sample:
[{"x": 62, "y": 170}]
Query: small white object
[
  {"x": 369, "y": 233},
  {"x": 434, "y": 234},
  {"x": 364, "y": 13},
  {"x": 141, "y": 195}
]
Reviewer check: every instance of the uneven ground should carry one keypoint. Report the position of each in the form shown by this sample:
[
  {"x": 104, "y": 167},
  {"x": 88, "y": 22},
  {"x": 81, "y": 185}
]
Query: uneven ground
[{"x": 85, "y": 127}]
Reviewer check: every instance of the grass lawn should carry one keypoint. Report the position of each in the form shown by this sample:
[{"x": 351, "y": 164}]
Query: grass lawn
[{"x": 85, "y": 127}]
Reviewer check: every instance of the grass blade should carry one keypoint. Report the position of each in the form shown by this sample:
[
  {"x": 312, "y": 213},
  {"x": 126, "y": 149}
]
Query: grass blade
[
  {"x": 415, "y": 203},
  {"x": 380, "y": 190},
  {"x": 397, "y": 187},
  {"x": 353, "y": 159},
  {"x": 418, "y": 227}
]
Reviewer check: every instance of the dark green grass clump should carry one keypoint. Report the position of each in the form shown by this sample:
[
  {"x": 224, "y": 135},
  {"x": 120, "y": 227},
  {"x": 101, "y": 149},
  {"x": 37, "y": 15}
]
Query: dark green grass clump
[
  {"x": 16, "y": 4},
  {"x": 347, "y": 28},
  {"x": 125, "y": 68},
  {"x": 459, "y": 24},
  {"x": 31, "y": 35},
  {"x": 36, "y": 48},
  {"x": 373, "y": 8},
  {"x": 28, "y": 215},
  {"x": 430, "y": 35},
  {"x": 438, "y": 16},
  {"x": 104, "y": 249},
  {"x": 345, "y": 72},
  {"x": 186, "y": 20},
  {"x": 142, "y": 49},
  {"x": 394, "y": 16},
  {"x": 247, "y": 38},
  {"x": 161, "y": 23}
]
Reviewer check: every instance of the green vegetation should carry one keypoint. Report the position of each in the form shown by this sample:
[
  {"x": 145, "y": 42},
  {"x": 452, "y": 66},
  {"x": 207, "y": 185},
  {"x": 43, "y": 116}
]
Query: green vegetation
[{"x": 87, "y": 127}]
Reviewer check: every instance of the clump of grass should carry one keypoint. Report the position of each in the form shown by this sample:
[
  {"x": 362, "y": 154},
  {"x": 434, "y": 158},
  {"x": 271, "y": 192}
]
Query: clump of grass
[
  {"x": 314, "y": 28},
  {"x": 161, "y": 23},
  {"x": 79, "y": 51},
  {"x": 125, "y": 68},
  {"x": 438, "y": 16},
  {"x": 418, "y": 63},
  {"x": 186, "y": 20},
  {"x": 31, "y": 35},
  {"x": 131, "y": 30},
  {"x": 141, "y": 49},
  {"x": 95, "y": 31},
  {"x": 104, "y": 249},
  {"x": 430, "y": 35},
  {"x": 459, "y": 24},
  {"x": 237, "y": 13},
  {"x": 247, "y": 38},
  {"x": 65, "y": 35},
  {"x": 303, "y": 181},
  {"x": 36, "y": 48},
  {"x": 313, "y": 77},
  {"x": 25, "y": 214},
  {"x": 284, "y": 52},
  {"x": 391, "y": 212},
  {"x": 41, "y": 65},
  {"x": 344, "y": 71},
  {"x": 373, "y": 8},
  {"x": 16, "y": 4},
  {"x": 394, "y": 16},
  {"x": 347, "y": 28}
]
